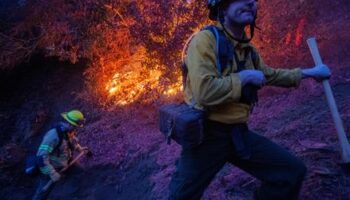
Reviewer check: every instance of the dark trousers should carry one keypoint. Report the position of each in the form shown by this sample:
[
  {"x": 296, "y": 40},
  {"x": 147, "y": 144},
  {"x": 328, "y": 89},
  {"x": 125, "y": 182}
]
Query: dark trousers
[
  {"x": 74, "y": 170},
  {"x": 281, "y": 173},
  {"x": 39, "y": 193}
]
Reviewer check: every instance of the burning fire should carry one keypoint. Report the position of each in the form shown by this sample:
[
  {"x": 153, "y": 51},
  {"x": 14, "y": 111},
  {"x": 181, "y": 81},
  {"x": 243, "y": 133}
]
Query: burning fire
[
  {"x": 133, "y": 45},
  {"x": 131, "y": 80},
  {"x": 131, "y": 86},
  {"x": 136, "y": 81}
]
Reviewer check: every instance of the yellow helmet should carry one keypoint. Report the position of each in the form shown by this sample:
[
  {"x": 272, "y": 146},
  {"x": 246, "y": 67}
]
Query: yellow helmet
[{"x": 74, "y": 117}]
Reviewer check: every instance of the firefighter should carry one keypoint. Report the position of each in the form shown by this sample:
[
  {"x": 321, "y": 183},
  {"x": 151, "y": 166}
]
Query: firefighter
[
  {"x": 228, "y": 102},
  {"x": 56, "y": 151}
]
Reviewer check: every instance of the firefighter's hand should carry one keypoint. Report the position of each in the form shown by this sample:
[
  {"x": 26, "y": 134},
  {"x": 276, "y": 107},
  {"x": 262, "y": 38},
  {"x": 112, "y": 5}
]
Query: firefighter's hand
[
  {"x": 55, "y": 176},
  {"x": 87, "y": 150},
  {"x": 254, "y": 77},
  {"x": 319, "y": 73}
]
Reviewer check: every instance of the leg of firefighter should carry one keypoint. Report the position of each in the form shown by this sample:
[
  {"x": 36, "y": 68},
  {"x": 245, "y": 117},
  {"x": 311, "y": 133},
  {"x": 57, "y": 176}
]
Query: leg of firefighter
[
  {"x": 198, "y": 166},
  {"x": 281, "y": 173},
  {"x": 40, "y": 194}
]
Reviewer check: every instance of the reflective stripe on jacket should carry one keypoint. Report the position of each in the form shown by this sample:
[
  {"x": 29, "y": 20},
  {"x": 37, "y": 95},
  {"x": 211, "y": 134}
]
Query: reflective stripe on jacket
[{"x": 51, "y": 158}]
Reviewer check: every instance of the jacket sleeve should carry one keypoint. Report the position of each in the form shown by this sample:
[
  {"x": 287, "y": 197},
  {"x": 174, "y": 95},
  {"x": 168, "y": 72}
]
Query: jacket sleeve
[
  {"x": 279, "y": 77},
  {"x": 208, "y": 88},
  {"x": 45, "y": 149}
]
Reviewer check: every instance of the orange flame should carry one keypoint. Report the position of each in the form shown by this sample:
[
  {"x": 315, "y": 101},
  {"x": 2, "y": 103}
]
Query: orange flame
[
  {"x": 134, "y": 80},
  {"x": 131, "y": 86}
]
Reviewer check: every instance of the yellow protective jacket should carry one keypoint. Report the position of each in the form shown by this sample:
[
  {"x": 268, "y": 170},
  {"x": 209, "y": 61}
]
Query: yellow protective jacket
[
  {"x": 220, "y": 95},
  {"x": 51, "y": 155}
]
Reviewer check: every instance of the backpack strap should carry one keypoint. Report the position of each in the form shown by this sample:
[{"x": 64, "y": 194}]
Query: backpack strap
[
  {"x": 223, "y": 52},
  {"x": 216, "y": 34},
  {"x": 224, "y": 49},
  {"x": 184, "y": 68},
  {"x": 62, "y": 135},
  {"x": 255, "y": 57}
]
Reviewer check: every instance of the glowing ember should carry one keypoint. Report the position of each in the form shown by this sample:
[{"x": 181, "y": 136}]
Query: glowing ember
[
  {"x": 173, "y": 89},
  {"x": 288, "y": 38},
  {"x": 299, "y": 33}
]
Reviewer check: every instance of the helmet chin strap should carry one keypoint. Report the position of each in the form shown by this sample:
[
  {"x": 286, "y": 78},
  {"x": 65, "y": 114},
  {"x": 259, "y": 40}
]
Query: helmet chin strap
[{"x": 252, "y": 29}]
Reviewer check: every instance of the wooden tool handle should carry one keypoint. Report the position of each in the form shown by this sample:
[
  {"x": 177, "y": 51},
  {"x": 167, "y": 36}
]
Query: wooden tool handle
[
  {"x": 48, "y": 184},
  {"x": 331, "y": 102}
]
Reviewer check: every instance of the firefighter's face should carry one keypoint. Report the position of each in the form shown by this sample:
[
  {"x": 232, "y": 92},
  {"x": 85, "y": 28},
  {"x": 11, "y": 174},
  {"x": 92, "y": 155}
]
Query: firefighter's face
[
  {"x": 241, "y": 12},
  {"x": 72, "y": 133}
]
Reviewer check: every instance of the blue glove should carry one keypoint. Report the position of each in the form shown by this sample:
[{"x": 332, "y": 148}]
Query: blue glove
[
  {"x": 319, "y": 73},
  {"x": 254, "y": 77}
]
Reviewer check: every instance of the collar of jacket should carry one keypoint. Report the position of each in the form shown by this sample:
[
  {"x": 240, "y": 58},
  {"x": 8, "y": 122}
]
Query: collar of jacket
[{"x": 236, "y": 44}]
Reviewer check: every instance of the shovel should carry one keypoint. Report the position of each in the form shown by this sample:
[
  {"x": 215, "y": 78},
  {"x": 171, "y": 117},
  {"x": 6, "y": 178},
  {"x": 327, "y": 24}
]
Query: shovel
[
  {"x": 344, "y": 143},
  {"x": 81, "y": 154}
]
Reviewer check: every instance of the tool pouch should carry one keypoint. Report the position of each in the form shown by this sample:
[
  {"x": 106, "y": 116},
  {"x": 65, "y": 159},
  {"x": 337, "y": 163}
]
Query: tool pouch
[{"x": 182, "y": 123}]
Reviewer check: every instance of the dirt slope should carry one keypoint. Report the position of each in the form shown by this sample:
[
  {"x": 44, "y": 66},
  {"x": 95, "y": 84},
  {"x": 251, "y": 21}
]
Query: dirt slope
[{"x": 132, "y": 161}]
